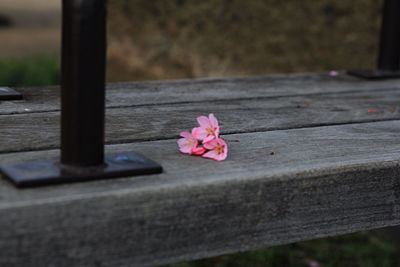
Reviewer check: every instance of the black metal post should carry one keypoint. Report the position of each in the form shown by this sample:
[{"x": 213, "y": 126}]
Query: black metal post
[
  {"x": 389, "y": 48},
  {"x": 388, "y": 65},
  {"x": 83, "y": 108},
  {"x": 83, "y": 82}
]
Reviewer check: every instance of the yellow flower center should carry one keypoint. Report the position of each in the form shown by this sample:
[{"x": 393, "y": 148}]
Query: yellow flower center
[{"x": 219, "y": 148}]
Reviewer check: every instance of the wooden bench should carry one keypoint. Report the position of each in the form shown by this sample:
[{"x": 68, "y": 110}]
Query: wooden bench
[{"x": 310, "y": 156}]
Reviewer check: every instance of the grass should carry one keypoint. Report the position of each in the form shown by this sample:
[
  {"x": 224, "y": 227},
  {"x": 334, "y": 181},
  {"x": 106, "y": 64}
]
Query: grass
[
  {"x": 356, "y": 250},
  {"x": 32, "y": 71}
]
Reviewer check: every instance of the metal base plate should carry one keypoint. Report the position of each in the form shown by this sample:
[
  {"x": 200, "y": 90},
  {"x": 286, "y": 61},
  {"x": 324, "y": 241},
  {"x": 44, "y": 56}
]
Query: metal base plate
[
  {"x": 9, "y": 94},
  {"x": 40, "y": 173},
  {"x": 375, "y": 74}
]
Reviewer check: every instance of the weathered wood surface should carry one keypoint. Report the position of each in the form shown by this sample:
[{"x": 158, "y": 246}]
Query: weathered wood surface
[
  {"x": 320, "y": 182},
  {"x": 26, "y": 132},
  {"x": 46, "y": 99},
  {"x": 334, "y": 170}
]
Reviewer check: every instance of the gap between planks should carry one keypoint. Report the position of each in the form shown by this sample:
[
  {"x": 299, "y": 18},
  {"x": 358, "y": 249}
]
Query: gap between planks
[
  {"x": 46, "y": 99},
  {"x": 41, "y": 131}
]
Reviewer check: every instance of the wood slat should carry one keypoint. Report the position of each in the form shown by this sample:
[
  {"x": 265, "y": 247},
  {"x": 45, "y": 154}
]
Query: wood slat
[
  {"x": 45, "y": 99},
  {"x": 26, "y": 132},
  {"x": 320, "y": 182}
]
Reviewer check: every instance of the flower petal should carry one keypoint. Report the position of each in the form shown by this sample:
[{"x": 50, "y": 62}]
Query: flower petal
[
  {"x": 203, "y": 121},
  {"x": 221, "y": 142},
  {"x": 186, "y": 134},
  {"x": 185, "y": 150},
  {"x": 210, "y": 145},
  {"x": 182, "y": 142},
  {"x": 221, "y": 157},
  {"x": 211, "y": 155},
  {"x": 184, "y": 146},
  {"x": 199, "y": 133},
  {"x": 216, "y": 132},
  {"x": 209, "y": 138},
  {"x": 213, "y": 121}
]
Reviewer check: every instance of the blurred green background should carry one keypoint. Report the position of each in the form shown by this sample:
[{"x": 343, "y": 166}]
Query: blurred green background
[
  {"x": 167, "y": 39},
  {"x": 34, "y": 71}
]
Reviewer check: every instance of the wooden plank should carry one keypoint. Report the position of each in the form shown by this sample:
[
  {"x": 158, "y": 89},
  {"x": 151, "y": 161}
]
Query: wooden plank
[
  {"x": 46, "y": 99},
  {"x": 25, "y": 132},
  {"x": 320, "y": 182}
]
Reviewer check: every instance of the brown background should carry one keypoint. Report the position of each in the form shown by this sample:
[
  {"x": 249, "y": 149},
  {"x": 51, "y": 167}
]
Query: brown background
[{"x": 162, "y": 39}]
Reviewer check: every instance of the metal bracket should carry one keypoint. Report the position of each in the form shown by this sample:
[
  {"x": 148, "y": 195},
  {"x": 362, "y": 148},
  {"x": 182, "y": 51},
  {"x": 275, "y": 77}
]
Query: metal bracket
[
  {"x": 41, "y": 173},
  {"x": 7, "y": 93},
  {"x": 388, "y": 65},
  {"x": 82, "y": 108},
  {"x": 375, "y": 74}
]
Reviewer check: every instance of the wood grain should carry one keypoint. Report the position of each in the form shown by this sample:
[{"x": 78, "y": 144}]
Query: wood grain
[
  {"x": 45, "y": 99},
  {"x": 26, "y": 132},
  {"x": 320, "y": 182},
  {"x": 334, "y": 170}
]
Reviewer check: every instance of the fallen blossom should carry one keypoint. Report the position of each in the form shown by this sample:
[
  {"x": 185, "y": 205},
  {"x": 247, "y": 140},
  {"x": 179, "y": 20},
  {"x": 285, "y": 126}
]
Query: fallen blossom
[
  {"x": 188, "y": 143},
  {"x": 333, "y": 73},
  {"x": 204, "y": 140},
  {"x": 208, "y": 130},
  {"x": 218, "y": 149}
]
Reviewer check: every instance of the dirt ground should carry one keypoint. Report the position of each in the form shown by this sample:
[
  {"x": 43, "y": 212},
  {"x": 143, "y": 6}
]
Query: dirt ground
[
  {"x": 34, "y": 29},
  {"x": 162, "y": 39}
]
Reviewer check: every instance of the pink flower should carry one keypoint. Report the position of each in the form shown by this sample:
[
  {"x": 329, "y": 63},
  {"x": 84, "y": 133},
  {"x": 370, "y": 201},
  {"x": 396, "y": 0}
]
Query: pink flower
[
  {"x": 333, "y": 73},
  {"x": 218, "y": 149},
  {"x": 208, "y": 130},
  {"x": 188, "y": 143},
  {"x": 204, "y": 140}
]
